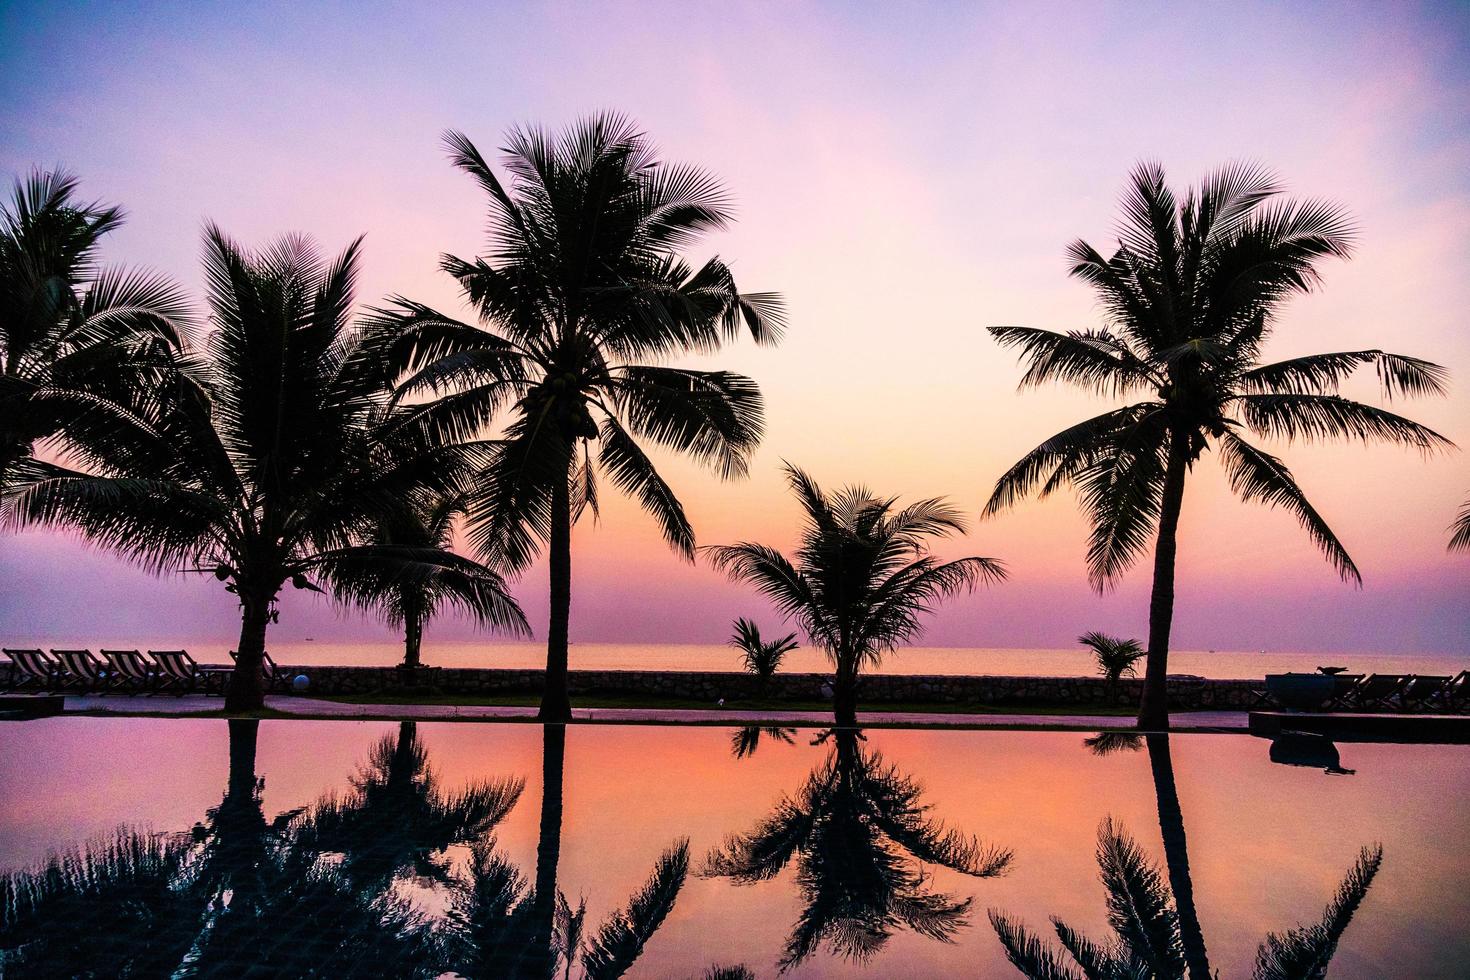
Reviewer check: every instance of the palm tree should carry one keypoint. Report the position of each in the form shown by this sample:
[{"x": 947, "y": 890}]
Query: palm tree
[
  {"x": 426, "y": 525},
  {"x": 78, "y": 343},
  {"x": 1460, "y": 537},
  {"x": 275, "y": 463},
  {"x": 397, "y": 819},
  {"x": 1147, "y": 940},
  {"x": 583, "y": 295},
  {"x": 861, "y": 577},
  {"x": 1115, "y": 656},
  {"x": 1191, "y": 295},
  {"x": 860, "y": 835},
  {"x": 761, "y": 658}
]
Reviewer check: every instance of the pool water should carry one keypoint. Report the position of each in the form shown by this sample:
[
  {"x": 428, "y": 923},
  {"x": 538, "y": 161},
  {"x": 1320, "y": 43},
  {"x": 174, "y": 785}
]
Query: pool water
[{"x": 313, "y": 848}]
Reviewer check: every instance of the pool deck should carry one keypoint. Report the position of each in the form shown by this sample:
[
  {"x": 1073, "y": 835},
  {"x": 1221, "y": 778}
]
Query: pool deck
[{"x": 1214, "y": 721}]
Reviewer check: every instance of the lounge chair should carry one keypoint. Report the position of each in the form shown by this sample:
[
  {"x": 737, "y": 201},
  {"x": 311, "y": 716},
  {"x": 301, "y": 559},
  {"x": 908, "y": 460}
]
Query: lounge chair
[
  {"x": 130, "y": 671},
  {"x": 31, "y": 670},
  {"x": 178, "y": 671},
  {"x": 1422, "y": 692},
  {"x": 81, "y": 671},
  {"x": 275, "y": 678},
  {"x": 1378, "y": 691},
  {"x": 1455, "y": 695},
  {"x": 1342, "y": 694}
]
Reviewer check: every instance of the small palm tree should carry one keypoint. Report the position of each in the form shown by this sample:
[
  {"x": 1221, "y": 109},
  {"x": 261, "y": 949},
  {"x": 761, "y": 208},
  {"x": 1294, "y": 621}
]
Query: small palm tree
[
  {"x": 424, "y": 528},
  {"x": 862, "y": 575},
  {"x": 1192, "y": 294},
  {"x": 761, "y": 658},
  {"x": 585, "y": 293},
  {"x": 1115, "y": 656},
  {"x": 1147, "y": 940},
  {"x": 860, "y": 834},
  {"x": 78, "y": 343},
  {"x": 1460, "y": 536},
  {"x": 271, "y": 463}
]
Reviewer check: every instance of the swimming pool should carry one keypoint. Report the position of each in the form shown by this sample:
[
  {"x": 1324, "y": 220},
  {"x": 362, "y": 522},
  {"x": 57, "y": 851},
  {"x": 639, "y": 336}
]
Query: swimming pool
[{"x": 206, "y": 847}]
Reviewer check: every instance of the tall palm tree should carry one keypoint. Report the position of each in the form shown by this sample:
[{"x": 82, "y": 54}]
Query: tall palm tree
[
  {"x": 273, "y": 462},
  {"x": 1191, "y": 295},
  {"x": 860, "y": 834},
  {"x": 77, "y": 341},
  {"x": 583, "y": 296},
  {"x": 1460, "y": 530},
  {"x": 426, "y": 525},
  {"x": 1147, "y": 940},
  {"x": 861, "y": 577}
]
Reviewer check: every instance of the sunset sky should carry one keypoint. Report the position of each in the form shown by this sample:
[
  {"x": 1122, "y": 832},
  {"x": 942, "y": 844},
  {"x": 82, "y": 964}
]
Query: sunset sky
[{"x": 906, "y": 176}]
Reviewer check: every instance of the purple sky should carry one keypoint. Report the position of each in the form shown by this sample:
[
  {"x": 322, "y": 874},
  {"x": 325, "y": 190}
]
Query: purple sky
[{"x": 906, "y": 176}]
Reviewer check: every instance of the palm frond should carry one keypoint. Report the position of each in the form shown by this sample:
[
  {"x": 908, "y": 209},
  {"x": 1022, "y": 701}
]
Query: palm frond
[{"x": 620, "y": 940}]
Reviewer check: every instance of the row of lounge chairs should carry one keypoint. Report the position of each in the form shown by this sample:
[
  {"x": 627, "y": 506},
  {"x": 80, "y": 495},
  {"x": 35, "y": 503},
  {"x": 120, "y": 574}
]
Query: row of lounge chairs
[
  {"x": 1396, "y": 692},
  {"x": 121, "y": 672}
]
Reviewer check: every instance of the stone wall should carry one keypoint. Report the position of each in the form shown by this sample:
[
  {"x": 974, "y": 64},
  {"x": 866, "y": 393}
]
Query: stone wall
[{"x": 1193, "y": 692}]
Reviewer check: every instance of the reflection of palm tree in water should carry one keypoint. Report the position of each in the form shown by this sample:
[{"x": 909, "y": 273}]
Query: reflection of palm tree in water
[
  {"x": 1156, "y": 926},
  {"x": 398, "y": 819},
  {"x": 859, "y": 835},
  {"x": 242, "y": 896},
  {"x": 500, "y": 927}
]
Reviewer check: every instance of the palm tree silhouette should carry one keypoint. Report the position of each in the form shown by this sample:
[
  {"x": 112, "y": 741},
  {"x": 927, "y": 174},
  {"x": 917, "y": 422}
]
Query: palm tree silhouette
[
  {"x": 1460, "y": 530},
  {"x": 426, "y": 524},
  {"x": 584, "y": 293},
  {"x": 80, "y": 346},
  {"x": 762, "y": 657},
  {"x": 1192, "y": 294},
  {"x": 1148, "y": 937},
  {"x": 397, "y": 819},
  {"x": 276, "y": 462},
  {"x": 499, "y": 925},
  {"x": 856, "y": 830},
  {"x": 1115, "y": 656},
  {"x": 861, "y": 577},
  {"x": 242, "y": 896}
]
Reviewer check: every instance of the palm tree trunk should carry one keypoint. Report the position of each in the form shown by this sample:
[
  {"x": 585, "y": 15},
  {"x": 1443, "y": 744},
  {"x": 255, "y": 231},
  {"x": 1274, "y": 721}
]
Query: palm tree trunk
[
  {"x": 247, "y": 681},
  {"x": 1176, "y": 855},
  {"x": 413, "y": 635},
  {"x": 1153, "y": 707},
  {"x": 548, "y": 849},
  {"x": 844, "y": 701},
  {"x": 556, "y": 704}
]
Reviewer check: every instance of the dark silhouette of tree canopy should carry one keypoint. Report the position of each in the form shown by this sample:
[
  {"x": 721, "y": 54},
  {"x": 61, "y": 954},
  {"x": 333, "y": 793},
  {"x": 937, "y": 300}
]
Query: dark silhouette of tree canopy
[
  {"x": 857, "y": 831},
  {"x": 425, "y": 525},
  {"x": 861, "y": 577},
  {"x": 80, "y": 345},
  {"x": 398, "y": 820},
  {"x": 1460, "y": 530},
  {"x": 583, "y": 294},
  {"x": 241, "y": 896},
  {"x": 274, "y": 460},
  {"x": 1147, "y": 939},
  {"x": 1191, "y": 295}
]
